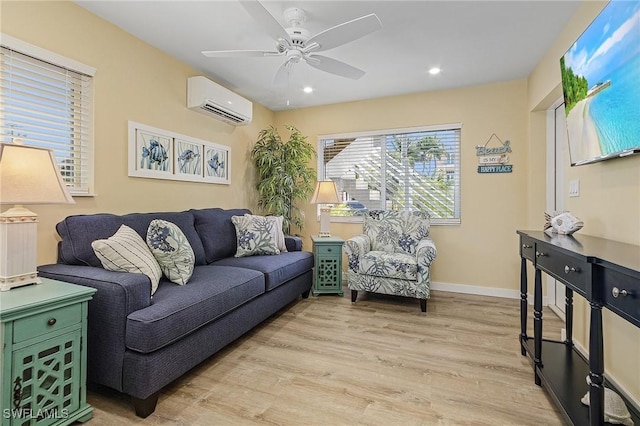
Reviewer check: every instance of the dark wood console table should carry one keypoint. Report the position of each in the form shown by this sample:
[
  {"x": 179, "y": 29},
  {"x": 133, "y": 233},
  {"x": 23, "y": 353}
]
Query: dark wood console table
[{"x": 607, "y": 274}]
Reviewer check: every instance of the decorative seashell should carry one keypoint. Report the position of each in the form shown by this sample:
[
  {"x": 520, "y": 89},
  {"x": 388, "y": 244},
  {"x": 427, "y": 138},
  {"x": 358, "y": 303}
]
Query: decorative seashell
[
  {"x": 615, "y": 410},
  {"x": 563, "y": 223}
]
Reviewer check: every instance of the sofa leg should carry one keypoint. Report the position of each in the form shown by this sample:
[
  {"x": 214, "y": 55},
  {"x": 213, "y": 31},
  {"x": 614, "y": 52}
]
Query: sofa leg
[
  {"x": 144, "y": 407},
  {"x": 305, "y": 295},
  {"x": 423, "y": 305},
  {"x": 354, "y": 296}
]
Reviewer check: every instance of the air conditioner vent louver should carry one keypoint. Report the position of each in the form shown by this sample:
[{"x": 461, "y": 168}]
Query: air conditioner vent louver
[
  {"x": 215, "y": 110},
  {"x": 208, "y": 97}
]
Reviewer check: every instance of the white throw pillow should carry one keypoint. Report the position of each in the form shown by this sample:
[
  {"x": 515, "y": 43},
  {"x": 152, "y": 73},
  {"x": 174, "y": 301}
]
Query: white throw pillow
[
  {"x": 126, "y": 251},
  {"x": 172, "y": 250}
]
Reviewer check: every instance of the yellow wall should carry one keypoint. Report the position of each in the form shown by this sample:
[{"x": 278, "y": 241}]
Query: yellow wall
[
  {"x": 137, "y": 82},
  {"x": 480, "y": 251},
  {"x": 609, "y": 201}
]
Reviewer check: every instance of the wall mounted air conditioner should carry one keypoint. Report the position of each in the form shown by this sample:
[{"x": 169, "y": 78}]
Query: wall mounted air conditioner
[{"x": 208, "y": 97}]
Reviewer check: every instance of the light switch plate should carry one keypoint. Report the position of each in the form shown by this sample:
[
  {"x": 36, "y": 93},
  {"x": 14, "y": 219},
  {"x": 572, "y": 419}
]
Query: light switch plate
[{"x": 574, "y": 188}]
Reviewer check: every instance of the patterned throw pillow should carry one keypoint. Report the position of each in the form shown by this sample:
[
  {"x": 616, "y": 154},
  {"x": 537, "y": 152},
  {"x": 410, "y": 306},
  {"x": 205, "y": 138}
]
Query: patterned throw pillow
[
  {"x": 172, "y": 250},
  {"x": 126, "y": 251},
  {"x": 282, "y": 246},
  {"x": 256, "y": 235}
]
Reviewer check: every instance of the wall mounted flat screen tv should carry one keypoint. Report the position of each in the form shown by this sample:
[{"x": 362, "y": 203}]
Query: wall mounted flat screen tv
[{"x": 601, "y": 86}]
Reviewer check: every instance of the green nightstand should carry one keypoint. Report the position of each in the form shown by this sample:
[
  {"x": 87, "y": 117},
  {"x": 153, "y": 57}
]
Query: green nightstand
[
  {"x": 327, "y": 252},
  {"x": 43, "y": 364}
]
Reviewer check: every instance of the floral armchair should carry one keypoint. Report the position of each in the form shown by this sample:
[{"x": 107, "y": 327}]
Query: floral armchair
[{"x": 393, "y": 256}]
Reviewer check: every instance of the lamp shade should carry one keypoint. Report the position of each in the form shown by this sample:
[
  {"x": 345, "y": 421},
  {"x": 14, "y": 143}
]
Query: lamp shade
[
  {"x": 30, "y": 175},
  {"x": 325, "y": 193}
]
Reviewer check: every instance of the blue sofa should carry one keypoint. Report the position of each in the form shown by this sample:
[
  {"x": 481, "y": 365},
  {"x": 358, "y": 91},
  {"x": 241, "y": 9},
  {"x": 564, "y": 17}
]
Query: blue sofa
[{"x": 138, "y": 343}]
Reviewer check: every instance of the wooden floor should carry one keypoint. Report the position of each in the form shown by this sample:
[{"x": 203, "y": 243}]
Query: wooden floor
[{"x": 324, "y": 361}]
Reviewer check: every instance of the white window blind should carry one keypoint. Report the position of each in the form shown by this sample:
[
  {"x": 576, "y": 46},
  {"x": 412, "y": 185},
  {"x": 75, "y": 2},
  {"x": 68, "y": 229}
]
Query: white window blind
[
  {"x": 407, "y": 169},
  {"x": 51, "y": 106}
]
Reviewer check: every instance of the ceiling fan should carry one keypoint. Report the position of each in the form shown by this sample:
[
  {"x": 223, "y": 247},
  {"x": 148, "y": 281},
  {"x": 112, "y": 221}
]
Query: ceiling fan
[{"x": 296, "y": 44}]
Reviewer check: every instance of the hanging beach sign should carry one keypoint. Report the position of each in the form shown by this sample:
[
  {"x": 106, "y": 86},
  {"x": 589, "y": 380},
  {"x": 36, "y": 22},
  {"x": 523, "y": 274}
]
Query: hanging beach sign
[{"x": 492, "y": 156}]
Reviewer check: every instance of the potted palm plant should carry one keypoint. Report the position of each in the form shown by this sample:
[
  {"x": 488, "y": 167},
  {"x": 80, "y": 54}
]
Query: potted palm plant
[{"x": 284, "y": 177}]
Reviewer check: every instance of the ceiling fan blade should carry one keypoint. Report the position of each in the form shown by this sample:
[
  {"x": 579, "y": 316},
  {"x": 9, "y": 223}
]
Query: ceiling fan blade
[
  {"x": 266, "y": 20},
  {"x": 238, "y": 53},
  {"x": 334, "y": 66},
  {"x": 345, "y": 33},
  {"x": 281, "y": 79}
]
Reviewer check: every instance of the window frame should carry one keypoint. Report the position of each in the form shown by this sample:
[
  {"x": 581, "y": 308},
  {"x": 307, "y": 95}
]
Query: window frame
[
  {"x": 87, "y": 142},
  {"x": 456, "y": 220}
]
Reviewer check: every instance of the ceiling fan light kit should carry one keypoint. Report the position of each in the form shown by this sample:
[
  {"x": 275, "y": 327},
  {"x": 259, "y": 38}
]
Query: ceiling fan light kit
[{"x": 295, "y": 43}]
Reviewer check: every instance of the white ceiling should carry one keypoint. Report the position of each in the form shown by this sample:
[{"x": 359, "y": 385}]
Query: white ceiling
[{"x": 473, "y": 42}]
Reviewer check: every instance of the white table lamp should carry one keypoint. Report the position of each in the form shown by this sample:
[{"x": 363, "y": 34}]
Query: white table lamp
[
  {"x": 28, "y": 175},
  {"x": 325, "y": 193}
]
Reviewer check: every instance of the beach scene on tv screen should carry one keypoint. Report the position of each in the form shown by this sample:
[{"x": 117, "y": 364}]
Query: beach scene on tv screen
[{"x": 601, "y": 85}]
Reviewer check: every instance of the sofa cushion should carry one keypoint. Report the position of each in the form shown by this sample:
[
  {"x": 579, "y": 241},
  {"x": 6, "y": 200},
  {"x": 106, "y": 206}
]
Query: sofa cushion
[
  {"x": 216, "y": 231},
  {"x": 172, "y": 250},
  {"x": 126, "y": 251},
  {"x": 256, "y": 235},
  {"x": 79, "y": 231},
  {"x": 277, "y": 269},
  {"x": 176, "y": 311},
  {"x": 390, "y": 265}
]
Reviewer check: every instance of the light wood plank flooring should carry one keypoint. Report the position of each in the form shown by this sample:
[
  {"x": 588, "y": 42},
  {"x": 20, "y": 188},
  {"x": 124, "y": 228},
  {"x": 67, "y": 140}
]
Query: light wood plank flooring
[{"x": 323, "y": 361}]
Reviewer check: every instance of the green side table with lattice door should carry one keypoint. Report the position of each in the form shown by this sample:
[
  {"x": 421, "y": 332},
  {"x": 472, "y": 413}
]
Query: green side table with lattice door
[
  {"x": 43, "y": 363},
  {"x": 327, "y": 252}
]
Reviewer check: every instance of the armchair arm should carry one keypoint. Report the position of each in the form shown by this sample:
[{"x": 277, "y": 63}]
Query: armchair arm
[
  {"x": 355, "y": 248},
  {"x": 426, "y": 250},
  {"x": 425, "y": 253}
]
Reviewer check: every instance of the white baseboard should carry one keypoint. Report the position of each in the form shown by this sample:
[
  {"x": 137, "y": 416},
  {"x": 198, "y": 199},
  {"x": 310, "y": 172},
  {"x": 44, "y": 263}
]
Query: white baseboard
[
  {"x": 621, "y": 389},
  {"x": 558, "y": 312},
  {"x": 472, "y": 289},
  {"x": 483, "y": 291}
]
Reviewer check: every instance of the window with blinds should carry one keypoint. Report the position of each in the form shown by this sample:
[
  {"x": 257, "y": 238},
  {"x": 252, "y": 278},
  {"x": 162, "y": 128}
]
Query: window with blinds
[
  {"x": 48, "y": 104},
  {"x": 408, "y": 169}
]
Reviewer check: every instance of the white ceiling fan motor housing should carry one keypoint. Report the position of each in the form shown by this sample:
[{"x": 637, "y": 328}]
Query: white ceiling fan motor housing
[{"x": 299, "y": 36}]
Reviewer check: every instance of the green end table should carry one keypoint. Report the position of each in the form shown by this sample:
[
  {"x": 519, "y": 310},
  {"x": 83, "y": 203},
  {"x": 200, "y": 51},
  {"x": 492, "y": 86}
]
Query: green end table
[
  {"x": 43, "y": 363},
  {"x": 327, "y": 252}
]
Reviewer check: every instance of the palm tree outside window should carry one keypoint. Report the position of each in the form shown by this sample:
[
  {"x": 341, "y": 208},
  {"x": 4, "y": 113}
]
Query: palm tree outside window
[{"x": 406, "y": 169}]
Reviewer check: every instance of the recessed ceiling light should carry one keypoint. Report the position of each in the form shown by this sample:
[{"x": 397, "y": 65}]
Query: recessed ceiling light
[
  {"x": 308, "y": 89},
  {"x": 434, "y": 71}
]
